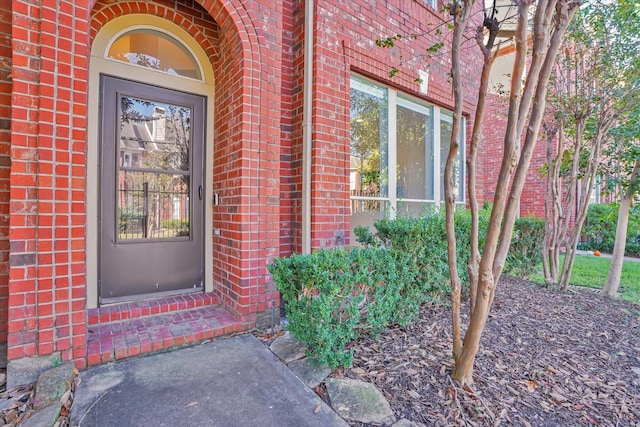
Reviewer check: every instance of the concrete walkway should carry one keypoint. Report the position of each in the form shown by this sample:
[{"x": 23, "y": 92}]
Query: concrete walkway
[{"x": 230, "y": 382}]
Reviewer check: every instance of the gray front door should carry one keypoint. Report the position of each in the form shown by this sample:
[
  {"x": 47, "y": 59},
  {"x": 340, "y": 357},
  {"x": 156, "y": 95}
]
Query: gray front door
[{"x": 151, "y": 191}]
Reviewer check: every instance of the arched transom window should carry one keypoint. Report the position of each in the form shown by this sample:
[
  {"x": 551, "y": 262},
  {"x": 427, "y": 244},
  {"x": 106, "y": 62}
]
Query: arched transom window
[{"x": 154, "y": 49}]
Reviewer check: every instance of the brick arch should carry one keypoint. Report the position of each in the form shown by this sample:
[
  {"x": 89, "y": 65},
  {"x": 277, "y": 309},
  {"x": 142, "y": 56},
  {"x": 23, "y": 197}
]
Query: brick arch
[
  {"x": 103, "y": 12},
  {"x": 246, "y": 51}
]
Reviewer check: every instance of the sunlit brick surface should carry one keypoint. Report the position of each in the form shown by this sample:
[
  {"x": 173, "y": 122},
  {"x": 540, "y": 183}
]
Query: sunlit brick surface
[{"x": 125, "y": 330}]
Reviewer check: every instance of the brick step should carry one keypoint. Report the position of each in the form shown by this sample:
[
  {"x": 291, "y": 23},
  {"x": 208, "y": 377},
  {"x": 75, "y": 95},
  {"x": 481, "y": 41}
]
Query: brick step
[
  {"x": 135, "y": 309},
  {"x": 115, "y": 340}
]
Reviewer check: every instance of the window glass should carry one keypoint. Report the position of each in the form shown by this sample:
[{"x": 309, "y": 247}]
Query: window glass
[
  {"x": 154, "y": 49},
  {"x": 414, "y": 137},
  {"x": 368, "y": 174},
  {"x": 396, "y": 149},
  {"x": 153, "y": 170}
]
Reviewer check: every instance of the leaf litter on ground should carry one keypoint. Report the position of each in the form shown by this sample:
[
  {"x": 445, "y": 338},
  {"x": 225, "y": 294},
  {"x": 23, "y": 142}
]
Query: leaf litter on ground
[{"x": 547, "y": 358}]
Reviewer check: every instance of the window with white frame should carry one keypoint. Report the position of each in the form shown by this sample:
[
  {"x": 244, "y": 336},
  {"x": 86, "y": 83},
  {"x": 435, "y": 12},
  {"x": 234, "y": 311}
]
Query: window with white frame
[
  {"x": 432, "y": 3},
  {"x": 399, "y": 146}
]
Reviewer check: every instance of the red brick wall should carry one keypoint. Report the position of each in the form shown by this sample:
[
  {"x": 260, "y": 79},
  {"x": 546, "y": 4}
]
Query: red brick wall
[
  {"x": 5, "y": 159},
  {"x": 256, "y": 51},
  {"x": 48, "y": 145},
  {"x": 533, "y": 194},
  {"x": 492, "y": 144},
  {"x": 291, "y": 127},
  {"x": 344, "y": 42},
  {"x": 247, "y": 153},
  {"x": 187, "y": 13}
]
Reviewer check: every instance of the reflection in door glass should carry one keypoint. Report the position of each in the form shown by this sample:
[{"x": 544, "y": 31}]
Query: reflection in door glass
[{"x": 153, "y": 170}]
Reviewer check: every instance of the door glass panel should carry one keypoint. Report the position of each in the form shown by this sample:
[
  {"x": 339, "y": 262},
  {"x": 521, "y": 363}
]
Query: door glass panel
[{"x": 153, "y": 171}]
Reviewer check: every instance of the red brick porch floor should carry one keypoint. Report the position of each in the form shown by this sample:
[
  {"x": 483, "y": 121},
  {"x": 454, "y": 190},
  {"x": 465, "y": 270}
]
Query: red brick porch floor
[{"x": 125, "y": 330}]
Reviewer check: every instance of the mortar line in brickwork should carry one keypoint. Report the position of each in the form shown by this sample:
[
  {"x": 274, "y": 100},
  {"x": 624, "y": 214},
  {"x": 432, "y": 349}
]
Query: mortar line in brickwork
[
  {"x": 256, "y": 140},
  {"x": 69, "y": 224},
  {"x": 56, "y": 77},
  {"x": 37, "y": 219}
]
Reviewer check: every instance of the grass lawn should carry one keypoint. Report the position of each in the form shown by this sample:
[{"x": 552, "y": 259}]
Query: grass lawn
[{"x": 592, "y": 272}]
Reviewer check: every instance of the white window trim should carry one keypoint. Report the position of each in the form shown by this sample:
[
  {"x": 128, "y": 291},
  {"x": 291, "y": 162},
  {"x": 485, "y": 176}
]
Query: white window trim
[
  {"x": 392, "y": 161},
  {"x": 437, "y": 117},
  {"x": 432, "y": 3}
]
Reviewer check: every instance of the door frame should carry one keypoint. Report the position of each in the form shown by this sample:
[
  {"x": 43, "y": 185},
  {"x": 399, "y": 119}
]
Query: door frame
[
  {"x": 174, "y": 264},
  {"x": 99, "y": 64}
]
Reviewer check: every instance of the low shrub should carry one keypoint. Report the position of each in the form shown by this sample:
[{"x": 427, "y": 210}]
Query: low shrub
[
  {"x": 174, "y": 223},
  {"x": 424, "y": 238},
  {"x": 525, "y": 252},
  {"x": 334, "y": 296},
  {"x": 599, "y": 230}
]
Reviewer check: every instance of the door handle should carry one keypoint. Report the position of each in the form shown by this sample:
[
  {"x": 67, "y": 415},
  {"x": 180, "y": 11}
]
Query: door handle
[{"x": 200, "y": 191}]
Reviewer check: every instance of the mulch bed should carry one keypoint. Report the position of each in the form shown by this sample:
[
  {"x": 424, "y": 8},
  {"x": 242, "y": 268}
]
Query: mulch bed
[{"x": 547, "y": 358}]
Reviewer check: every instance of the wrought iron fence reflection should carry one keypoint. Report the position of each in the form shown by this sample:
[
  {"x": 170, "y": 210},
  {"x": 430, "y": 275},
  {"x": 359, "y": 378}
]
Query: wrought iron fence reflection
[{"x": 147, "y": 212}]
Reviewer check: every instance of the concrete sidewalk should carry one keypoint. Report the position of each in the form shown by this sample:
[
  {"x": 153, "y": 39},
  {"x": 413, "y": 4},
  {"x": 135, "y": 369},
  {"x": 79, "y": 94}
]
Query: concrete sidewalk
[{"x": 231, "y": 382}]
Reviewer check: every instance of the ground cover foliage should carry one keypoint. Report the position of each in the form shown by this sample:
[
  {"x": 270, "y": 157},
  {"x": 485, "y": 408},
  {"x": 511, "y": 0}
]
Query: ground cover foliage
[{"x": 547, "y": 357}]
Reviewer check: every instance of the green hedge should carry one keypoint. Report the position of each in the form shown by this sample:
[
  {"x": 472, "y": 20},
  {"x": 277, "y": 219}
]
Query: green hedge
[
  {"x": 599, "y": 230},
  {"x": 335, "y": 296},
  {"x": 425, "y": 239},
  {"x": 525, "y": 252},
  {"x": 175, "y": 223}
]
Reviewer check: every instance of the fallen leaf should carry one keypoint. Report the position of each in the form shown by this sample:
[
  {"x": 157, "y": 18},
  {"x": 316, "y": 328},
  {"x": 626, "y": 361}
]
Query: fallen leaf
[
  {"x": 531, "y": 386},
  {"x": 317, "y": 408},
  {"x": 591, "y": 420},
  {"x": 413, "y": 394},
  {"x": 192, "y": 404},
  {"x": 358, "y": 371}
]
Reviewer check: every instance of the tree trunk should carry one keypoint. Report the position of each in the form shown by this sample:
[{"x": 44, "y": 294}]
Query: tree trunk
[
  {"x": 505, "y": 200},
  {"x": 461, "y": 13},
  {"x": 463, "y": 370},
  {"x": 476, "y": 136},
  {"x": 464, "y": 360},
  {"x": 589, "y": 176},
  {"x": 610, "y": 288},
  {"x": 552, "y": 205}
]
